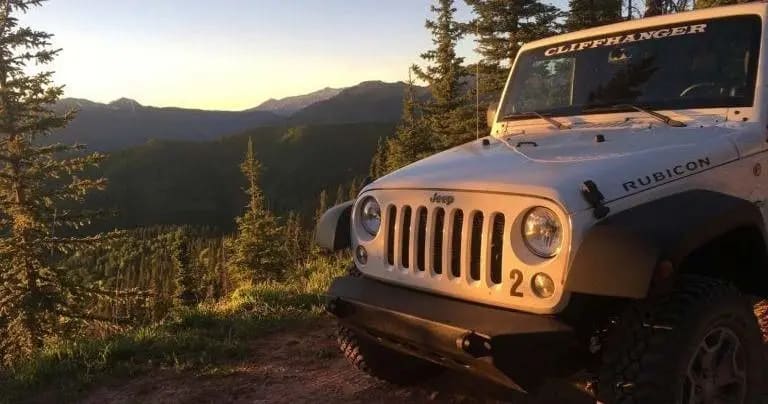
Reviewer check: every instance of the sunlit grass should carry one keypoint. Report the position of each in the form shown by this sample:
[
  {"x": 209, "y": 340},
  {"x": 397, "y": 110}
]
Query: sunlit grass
[{"x": 201, "y": 339}]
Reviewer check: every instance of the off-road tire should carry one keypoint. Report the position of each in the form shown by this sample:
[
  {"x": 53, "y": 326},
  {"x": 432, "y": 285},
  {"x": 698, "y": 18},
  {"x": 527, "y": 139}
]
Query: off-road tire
[
  {"x": 384, "y": 363},
  {"x": 649, "y": 349}
]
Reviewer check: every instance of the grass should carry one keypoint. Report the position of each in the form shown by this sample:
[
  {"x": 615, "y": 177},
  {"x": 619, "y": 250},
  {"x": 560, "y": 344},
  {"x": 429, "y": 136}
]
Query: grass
[{"x": 199, "y": 339}]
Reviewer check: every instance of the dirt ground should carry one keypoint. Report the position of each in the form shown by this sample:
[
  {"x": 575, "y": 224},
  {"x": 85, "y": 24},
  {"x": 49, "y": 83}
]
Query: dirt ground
[{"x": 297, "y": 366}]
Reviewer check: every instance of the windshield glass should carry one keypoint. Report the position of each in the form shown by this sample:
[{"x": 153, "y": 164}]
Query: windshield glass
[{"x": 699, "y": 64}]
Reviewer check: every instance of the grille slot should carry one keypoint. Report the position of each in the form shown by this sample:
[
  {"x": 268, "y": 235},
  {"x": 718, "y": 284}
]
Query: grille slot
[
  {"x": 391, "y": 222},
  {"x": 406, "y": 239},
  {"x": 421, "y": 238},
  {"x": 458, "y": 227},
  {"x": 437, "y": 243},
  {"x": 475, "y": 245},
  {"x": 497, "y": 247}
]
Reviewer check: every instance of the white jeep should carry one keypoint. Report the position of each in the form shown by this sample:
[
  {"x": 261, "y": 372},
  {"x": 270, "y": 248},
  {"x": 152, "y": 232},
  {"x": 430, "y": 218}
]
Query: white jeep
[{"x": 614, "y": 223}]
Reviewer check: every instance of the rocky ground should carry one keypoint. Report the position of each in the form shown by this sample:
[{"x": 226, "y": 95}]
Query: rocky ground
[{"x": 300, "y": 365}]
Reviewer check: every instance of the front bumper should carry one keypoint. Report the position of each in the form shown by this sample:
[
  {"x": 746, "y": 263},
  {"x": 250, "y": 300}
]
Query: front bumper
[{"x": 509, "y": 347}]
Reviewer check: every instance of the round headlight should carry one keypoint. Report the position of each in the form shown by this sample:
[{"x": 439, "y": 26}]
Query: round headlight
[
  {"x": 542, "y": 232},
  {"x": 370, "y": 215}
]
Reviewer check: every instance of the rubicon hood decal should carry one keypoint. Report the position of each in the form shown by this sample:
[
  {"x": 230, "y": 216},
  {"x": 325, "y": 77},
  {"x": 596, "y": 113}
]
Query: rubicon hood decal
[{"x": 665, "y": 174}]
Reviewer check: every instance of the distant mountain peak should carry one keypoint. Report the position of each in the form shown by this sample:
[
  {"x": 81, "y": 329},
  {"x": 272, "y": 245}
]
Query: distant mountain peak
[
  {"x": 290, "y": 105},
  {"x": 125, "y": 103}
]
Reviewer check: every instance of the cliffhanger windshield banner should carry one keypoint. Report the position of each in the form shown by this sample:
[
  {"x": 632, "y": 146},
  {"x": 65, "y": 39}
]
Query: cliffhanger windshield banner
[{"x": 659, "y": 33}]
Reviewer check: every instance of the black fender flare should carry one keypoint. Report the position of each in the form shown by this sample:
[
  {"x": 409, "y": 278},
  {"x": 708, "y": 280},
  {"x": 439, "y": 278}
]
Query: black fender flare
[
  {"x": 333, "y": 229},
  {"x": 618, "y": 256}
]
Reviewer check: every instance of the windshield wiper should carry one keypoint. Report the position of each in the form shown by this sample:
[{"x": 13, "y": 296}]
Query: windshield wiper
[
  {"x": 656, "y": 115},
  {"x": 557, "y": 124}
]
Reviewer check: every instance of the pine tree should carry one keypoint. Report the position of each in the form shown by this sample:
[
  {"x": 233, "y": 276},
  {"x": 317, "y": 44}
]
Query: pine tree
[
  {"x": 449, "y": 115},
  {"x": 379, "y": 161},
  {"x": 501, "y": 27},
  {"x": 591, "y": 13},
  {"x": 41, "y": 191},
  {"x": 186, "y": 280},
  {"x": 258, "y": 251},
  {"x": 412, "y": 141},
  {"x": 658, "y": 7}
]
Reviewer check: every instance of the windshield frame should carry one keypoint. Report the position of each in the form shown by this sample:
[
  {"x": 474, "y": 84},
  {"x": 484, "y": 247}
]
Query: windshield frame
[{"x": 698, "y": 103}]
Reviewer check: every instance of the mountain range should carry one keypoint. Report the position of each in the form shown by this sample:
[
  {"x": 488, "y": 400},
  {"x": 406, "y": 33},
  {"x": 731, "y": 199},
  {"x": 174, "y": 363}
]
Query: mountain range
[
  {"x": 181, "y": 166},
  {"x": 126, "y": 123}
]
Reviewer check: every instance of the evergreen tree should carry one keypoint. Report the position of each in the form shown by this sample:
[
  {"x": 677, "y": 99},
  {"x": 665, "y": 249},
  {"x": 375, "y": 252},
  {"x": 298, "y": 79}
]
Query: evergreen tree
[
  {"x": 40, "y": 197},
  {"x": 501, "y": 27},
  {"x": 412, "y": 141},
  {"x": 591, "y": 13},
  {"x": 379, "y": 161},
  {"x": 449, "y": 115},
  {"x": 186, "y": 279},
  {"x": 258, "y": 251}
]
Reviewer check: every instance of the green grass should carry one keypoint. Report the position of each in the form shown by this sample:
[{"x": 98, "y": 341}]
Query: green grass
[{"x": 198, "y": 339}]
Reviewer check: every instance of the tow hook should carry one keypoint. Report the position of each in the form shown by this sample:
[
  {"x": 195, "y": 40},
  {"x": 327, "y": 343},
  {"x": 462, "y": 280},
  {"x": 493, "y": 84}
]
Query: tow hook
[{"x": 475, "y": 344}]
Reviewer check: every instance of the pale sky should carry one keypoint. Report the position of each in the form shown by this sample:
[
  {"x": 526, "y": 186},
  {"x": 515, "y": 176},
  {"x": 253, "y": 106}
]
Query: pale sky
[{"x": 230, "y": 54}]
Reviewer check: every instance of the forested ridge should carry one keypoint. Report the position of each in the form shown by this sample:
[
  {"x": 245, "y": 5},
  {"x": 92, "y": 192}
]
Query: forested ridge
[
  {"x": 180, "y": 253},
  {"x": 198, "y": 183}
]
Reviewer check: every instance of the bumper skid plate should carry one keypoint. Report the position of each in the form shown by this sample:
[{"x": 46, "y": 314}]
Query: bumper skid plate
[{"x": 509, "y": 347}]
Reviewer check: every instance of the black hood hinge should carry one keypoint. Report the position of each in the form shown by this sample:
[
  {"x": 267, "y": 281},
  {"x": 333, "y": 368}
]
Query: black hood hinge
[{"x": 595, "y": 199}]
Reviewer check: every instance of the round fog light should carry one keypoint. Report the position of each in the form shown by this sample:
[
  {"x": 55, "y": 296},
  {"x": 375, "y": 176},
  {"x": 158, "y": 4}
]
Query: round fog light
[
  {"x": 362, "y": 255},
  {"x": 543, "y": 286}
]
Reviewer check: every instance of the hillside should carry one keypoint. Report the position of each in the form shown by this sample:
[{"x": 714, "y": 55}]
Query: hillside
[
  {"x": 289, "y": 105},
  {"x": 173, "y": 182},
  {"x": 124, "y": 123},
  {"x": 370, "y": 101}
]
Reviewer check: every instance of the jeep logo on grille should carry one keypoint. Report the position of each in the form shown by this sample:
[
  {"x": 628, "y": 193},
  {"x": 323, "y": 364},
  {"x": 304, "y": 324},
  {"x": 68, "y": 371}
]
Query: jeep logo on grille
[{"x": 443, "y": 199}]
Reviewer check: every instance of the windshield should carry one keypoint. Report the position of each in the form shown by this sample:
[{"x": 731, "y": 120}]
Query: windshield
[{"x": 700, "y": 64}]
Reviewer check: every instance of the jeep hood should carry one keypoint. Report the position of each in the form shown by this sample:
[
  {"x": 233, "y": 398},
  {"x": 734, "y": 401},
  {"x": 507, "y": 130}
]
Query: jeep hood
[{"x": 629, "y": 161}]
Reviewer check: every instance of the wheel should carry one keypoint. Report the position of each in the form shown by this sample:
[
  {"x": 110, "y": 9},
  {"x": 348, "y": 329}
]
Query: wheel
[
  {"x": 699, "y": 344},
  {"x": 383, "y": 363}
]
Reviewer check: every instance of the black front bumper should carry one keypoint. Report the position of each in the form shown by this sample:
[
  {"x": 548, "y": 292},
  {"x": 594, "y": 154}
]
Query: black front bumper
[{"x": 512, "y": 348}]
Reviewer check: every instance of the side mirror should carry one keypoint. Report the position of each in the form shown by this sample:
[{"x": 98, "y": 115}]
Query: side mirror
[{"x": 490, "y": 114}]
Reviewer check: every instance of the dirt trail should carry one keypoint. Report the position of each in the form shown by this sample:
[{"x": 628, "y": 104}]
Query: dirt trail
[{"x": 300, "y": 365}]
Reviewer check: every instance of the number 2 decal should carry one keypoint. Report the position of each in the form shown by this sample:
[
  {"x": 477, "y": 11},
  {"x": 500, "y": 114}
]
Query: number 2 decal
[{"x": 516, "y": 276}]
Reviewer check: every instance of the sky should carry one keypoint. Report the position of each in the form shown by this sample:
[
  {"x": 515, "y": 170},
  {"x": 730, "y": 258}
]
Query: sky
[{"x": 230, "y": 54}]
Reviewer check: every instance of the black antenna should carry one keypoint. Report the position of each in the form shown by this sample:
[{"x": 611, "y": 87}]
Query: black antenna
[{"x": 477, "y": 90}]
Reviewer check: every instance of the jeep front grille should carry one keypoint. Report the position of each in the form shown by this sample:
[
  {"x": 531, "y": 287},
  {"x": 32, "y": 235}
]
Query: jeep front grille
[
  {"x": 464, "y": 244},
  {"x": 423, "y": 233}
]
